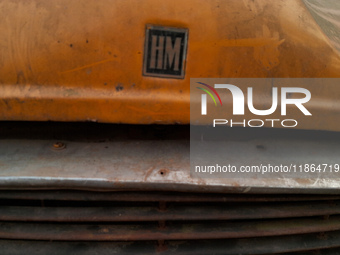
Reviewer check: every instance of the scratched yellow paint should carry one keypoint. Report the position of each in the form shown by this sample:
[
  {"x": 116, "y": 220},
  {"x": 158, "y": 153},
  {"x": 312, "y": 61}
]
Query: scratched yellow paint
[{"x": 82, "y": 60}]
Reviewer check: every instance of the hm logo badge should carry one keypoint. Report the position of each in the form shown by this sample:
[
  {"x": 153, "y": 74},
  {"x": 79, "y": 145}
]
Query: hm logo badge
[{"x": 165, "y": 52}]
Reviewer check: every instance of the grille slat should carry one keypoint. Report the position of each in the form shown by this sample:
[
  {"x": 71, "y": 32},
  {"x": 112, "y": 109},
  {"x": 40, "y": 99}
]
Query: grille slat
[
  {"x": 75, "y": 195},
  {"x": 173, "y": 212},
  {"x": 252, "y": 246},
  {"x": 173, "y": 231}
]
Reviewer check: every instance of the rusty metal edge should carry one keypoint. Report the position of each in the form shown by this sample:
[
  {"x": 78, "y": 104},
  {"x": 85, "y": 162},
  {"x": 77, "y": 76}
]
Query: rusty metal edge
[{"x": 161, "y": 165}]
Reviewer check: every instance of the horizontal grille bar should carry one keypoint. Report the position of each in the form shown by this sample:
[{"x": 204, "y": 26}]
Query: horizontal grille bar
[
  {"x": 251, "y": 246},
  {"x": 172, "y": 231},
  {"x": 173, "y": 212},
  {"x": 157, "y": 196}
]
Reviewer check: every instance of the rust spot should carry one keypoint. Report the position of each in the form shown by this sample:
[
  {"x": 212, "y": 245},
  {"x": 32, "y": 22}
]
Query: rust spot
[
  {"x": 119, "y": 87},
  {"x": 235, "y": 184},
  {"x": 163, "y": 172},
  {"x": 303, "y": 181},
  {"x": 148, "y": 173},
  {"x": 59, "y": 146}
]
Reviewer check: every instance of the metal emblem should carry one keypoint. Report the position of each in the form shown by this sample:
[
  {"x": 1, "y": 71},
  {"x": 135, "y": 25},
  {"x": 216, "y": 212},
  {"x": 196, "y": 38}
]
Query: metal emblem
[{"x": 165, "y": 52}]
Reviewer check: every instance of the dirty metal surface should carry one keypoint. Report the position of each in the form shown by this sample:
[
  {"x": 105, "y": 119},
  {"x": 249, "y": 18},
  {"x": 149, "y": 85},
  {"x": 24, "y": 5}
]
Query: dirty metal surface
[
  {"x": 120, "y": 157},
  {"x": 142, "y": 196},
  {"x": 251, "y": 246},
  {"x": 147, "y": 165},
  {"x": 115, "y": 226},
  {"x": 172, "y": 231},
  {"x": 170, "y": 213}
]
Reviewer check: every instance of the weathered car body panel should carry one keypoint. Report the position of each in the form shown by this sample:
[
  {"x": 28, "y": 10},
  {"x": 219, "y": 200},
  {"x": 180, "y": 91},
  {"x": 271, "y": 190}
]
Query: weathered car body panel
[{"x": 83, "y": 60}]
